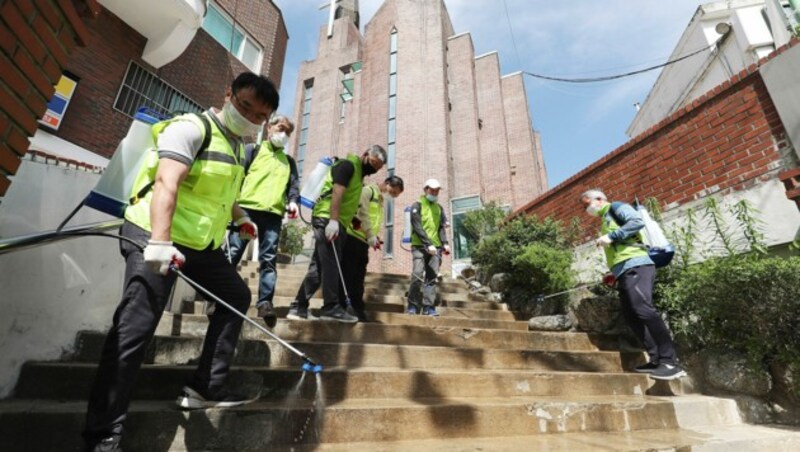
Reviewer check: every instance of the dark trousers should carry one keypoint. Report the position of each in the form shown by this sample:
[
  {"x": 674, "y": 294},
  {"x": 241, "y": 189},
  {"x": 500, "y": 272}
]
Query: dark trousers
[
  {"x": 636, "y": 294},
  {"x": 322, "y": 269},
  {"x": 354, "y": 267},
  {"x": 144, "y": 297},
  {"x": 269, "y": 235},
  {"x": 424, "y": 277}
]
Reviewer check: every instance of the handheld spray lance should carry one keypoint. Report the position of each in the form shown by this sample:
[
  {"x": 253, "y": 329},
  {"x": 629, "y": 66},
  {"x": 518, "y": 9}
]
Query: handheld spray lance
[
  {"x": 608, "y": 280},
  {"x": 308, "y": 365}
]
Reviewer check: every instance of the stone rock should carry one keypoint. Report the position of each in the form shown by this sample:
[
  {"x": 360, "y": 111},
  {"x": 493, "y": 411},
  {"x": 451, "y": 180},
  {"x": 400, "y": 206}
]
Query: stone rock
[
  {"x": 499, "y": 282},
  {"x": 484, "y": 290},
  {"x": 474, "y": 285},
  {"x": 496, "y": 296},
  {"x": 755, "y": 410},
  {"x": 559, "y": 322},
  {"x": 731, "y": 372},
  {"x": 597, "y": 314},
  {"x": 528, "y": 306}
]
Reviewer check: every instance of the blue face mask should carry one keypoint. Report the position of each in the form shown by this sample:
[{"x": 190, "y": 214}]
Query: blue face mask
[{"x": 431, "y": 198}]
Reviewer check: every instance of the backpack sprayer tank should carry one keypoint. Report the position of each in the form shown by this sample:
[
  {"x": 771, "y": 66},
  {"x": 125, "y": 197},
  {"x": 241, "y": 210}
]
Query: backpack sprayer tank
[
  {"x": 407, "y": 225},
  {"x": 313, "y": 186},
  {"x": 113, "y": 190}
]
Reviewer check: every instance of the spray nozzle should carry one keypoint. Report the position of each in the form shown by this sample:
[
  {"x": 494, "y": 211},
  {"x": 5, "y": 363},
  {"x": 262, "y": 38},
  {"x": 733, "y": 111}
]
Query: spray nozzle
[{"x": 311, "y": 366}]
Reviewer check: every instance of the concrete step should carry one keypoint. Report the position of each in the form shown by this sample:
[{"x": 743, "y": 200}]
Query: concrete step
[
  {"x": 174, "y": 350},
  {"x": 281, "y": 305},
  {"x": 71, "y": 381},
  {"x": 157, "y": 425},
  {"x": 289, "y": 289},
  {"x": 304, "y": 330},
  {"x": 725, "y": 438},
  {"x": 279, "y": 301},
  {"x": 291, "y": 283}
]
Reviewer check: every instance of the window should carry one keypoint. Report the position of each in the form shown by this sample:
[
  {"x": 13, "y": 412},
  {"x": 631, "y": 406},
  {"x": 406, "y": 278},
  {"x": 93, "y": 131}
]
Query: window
[
  {"x": 391, "y": 132},
  {"x": 308, "y": 89},
  {"x": 241, "y": 45},
  {"x": 347, "y": 89},
  {"x": 463, "y": 241},
  {"x": 142, "y": 88}
]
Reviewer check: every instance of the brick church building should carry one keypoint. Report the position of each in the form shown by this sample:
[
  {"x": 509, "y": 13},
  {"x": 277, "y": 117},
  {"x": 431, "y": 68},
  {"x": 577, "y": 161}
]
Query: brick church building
[{"x": 413, "y": 86}]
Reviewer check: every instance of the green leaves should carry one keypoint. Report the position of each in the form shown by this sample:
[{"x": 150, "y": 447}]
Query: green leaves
[{"x": 291, "y": 242}]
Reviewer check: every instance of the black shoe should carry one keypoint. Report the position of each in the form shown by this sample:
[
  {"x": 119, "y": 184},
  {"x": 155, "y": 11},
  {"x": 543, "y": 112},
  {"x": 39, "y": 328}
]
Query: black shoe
[
  {"x": 109, "y": 444},
  {"x": 297, "y": 313},
  {"x": 191, "y": 399},
  {"x": 647, "y": 368},
  {"x": 267, "y": 312},
  {"x": 668, "y": 372},
  {"x": 362, "y": 315},
  {"x": 338, "y": 314}
]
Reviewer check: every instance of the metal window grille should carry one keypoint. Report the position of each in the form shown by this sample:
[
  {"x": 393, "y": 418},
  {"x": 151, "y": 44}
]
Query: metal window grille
[{"x": 142, "y": 88}]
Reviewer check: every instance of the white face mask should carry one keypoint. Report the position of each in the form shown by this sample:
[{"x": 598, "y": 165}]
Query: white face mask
[
  {"x": 279, "y": 140},
  {"x": 236, "y": 123},
  {"x": 432, "y": 198},
  {"x": 593, "y": 209}
]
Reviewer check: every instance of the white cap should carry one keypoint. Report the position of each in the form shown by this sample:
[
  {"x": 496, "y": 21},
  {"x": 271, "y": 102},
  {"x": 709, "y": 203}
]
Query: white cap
[{"x": 432, "y": 183}]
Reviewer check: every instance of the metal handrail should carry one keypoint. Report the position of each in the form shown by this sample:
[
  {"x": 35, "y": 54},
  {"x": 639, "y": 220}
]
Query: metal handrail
[{"x": 42, "y": 238}]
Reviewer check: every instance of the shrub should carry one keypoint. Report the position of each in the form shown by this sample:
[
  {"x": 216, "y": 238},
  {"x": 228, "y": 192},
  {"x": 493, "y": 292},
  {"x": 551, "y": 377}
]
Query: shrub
[
  {"x": 746, "y": 303},
  {"x": 542, "y": 269},
  {"x": 495, "y": 253},
  {"x": 291, "y": 242},
  {"x": 483, "y": 222}
]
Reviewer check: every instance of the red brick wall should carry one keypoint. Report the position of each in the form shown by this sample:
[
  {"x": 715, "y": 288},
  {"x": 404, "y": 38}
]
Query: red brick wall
[
  {"x": 263, "y": 21},
  {"x": 36, "y": 39},
  {"x": 202, "y": 72},
  {"x": 495, "y": 163},
  {"x": 466, "y": 148},
  {"x": 729, "y": 139}
]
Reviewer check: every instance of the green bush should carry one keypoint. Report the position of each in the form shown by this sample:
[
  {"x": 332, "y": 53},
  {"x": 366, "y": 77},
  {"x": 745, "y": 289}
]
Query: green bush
[
  {"x": 291, "y": 242},
  {"x": 496, "y": 253},
  {"x": 746, "y": 303},
  {"x": 542, "y": 269}
]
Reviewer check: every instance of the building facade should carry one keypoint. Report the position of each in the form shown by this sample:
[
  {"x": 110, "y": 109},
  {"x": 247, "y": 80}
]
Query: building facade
[
  {"x": 413, "y": 86},
  {"x": 124, "y": 66},
  {"x": 729, "y": 36}
]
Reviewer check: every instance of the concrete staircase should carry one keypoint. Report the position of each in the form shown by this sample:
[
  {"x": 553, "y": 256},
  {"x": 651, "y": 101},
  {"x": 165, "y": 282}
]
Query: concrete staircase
[{"x": 472, "y": 379}]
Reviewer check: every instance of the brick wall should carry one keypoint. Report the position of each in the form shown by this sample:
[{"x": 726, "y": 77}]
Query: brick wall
[
  {"x": 36, "y": 39},
  {"x": 263, "y": 21},
  {"x": 495, "y": 163},
  {"x": 727, "y": 140}
]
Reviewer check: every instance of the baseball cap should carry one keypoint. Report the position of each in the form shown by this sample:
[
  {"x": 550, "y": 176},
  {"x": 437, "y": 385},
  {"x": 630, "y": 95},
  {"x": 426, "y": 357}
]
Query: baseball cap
[{"x": 433, "y": 183}]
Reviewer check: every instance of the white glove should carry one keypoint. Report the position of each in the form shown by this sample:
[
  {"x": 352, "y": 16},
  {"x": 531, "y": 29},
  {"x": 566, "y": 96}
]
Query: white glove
[
  {"x": 332, "y": 230},
  {"x": 292, "y": 210},
  {"x": 247, "y": 229},
  {"x": 158, "y": 255},
  {"x": 447, "y": 249},
  {"x": 373, "y": 242},
  {"x": 603, "y": 241},
  {"x": 432, "y": 250}
]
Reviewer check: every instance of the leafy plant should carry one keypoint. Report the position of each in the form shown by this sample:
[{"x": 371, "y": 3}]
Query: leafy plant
[
  {"x": 483, "y": 222},
  {"x": 542, "y": 269},
  {"x": 751, "y": 226},
  {"x": 291, "y": 241}
]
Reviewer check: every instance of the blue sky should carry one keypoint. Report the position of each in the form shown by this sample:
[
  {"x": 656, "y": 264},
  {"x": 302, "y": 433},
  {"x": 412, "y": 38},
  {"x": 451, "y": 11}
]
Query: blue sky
[{"x": 579, "y": 123}]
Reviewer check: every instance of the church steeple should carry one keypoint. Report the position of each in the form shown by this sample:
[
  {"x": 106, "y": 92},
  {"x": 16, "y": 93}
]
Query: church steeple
[
  {"x": 349, "y": 9},
  {"x": 343, "y": 8}
]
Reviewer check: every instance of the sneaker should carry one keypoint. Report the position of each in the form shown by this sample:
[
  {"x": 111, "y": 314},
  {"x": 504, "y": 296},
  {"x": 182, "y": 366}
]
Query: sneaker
[
  {"x": 412, "y": 310},
  {"x": 267, "y": 312},
  {"x": 110, "y": 444},
  {"x": 297, "y": 313},
  {"x": 667, "y": 372},
  {"x": 429, "y": 310},
  {"x": 191, "y": 399},
  {"x": 338, "y": 314},
  {"x": 647, "y": 368}
]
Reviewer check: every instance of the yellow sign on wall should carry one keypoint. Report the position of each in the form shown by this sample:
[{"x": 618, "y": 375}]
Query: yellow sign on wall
[{"x": 57, "y": 107}]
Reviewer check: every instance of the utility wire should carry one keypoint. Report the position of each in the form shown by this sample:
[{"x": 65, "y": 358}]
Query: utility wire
[
  {"x": 592, "y": 79},
  {"x": 511, "y": 30},
  {"x": 617, "y": 76}
]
